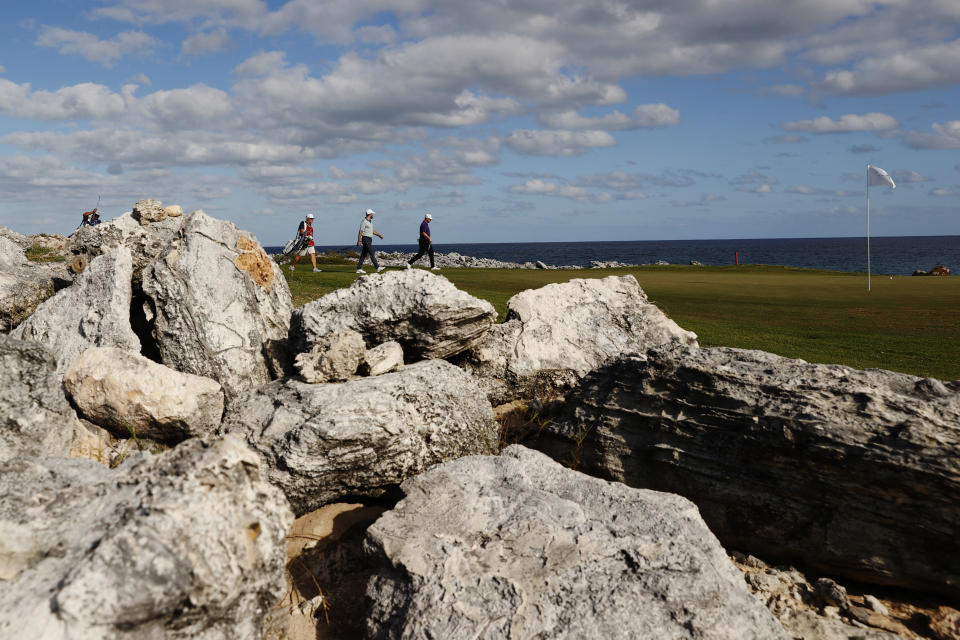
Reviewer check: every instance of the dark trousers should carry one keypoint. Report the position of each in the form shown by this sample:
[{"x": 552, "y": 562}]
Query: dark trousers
[
  {"x": 367, "y": 251},
  {"x": 426, "y": 247}
]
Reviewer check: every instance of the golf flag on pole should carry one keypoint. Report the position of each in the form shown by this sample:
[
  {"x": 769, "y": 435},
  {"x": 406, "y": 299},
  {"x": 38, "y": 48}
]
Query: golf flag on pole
[{"x": 877, "y": 176}]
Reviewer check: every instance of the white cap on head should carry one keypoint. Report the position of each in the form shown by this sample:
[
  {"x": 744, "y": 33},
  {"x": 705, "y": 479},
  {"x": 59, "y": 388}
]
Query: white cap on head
[
  {"x": 309, "y": 215},
  {"x": 428, "y": 217},
  {"x": 370, "y": 212}
]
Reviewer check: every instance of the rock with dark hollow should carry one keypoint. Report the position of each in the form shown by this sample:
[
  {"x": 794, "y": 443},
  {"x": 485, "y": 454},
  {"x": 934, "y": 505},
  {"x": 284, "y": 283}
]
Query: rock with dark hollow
[
  {"x": 35, "y": 417},
  {"x": 556, "y": 334},
  {"x": 422, "y": 311},
  {"x": 93, "y": 312},
  {"x": 188, "y": 544},
  {"x": 219, "y": 306},
  {"x": 854, "y": 473},
  {"x": 516, "y": 546},
  {"x": 323, "y": 442}
]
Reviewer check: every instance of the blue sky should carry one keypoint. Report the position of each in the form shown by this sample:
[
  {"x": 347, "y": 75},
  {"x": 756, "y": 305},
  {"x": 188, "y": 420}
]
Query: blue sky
[{"x": 508, "y": 120}]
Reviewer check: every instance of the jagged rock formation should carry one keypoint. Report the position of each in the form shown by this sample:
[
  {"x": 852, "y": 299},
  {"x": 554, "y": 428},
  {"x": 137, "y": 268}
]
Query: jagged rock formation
[
  {"x": 218, "y": 305},
  {"x": 187, "y": 544},
  {"x": 852, "y": 472},
  {"x": 130, "y": 395},
  {"x": 324, "y": 442},
  {"x": 23, "y": 284},
  {"x": 333, "y": 358},
  {"x": 35, "y": 417},
  {"x": 517, "y": 546},
  {"x": 93, "y": 312},
  {"x": 424, "y": 312},
  {"x": 556, "y": 334}
]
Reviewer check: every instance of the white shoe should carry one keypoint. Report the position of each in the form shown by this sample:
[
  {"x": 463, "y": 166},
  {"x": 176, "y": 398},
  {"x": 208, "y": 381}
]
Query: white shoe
[
  {"x": 360, "y": 271},
  {"x": 408, "y": 266},
  {"x": 434, "y": 268},
  {"x": 291, "y": 268},
  {"x": 379, "y": 269},
  {"x": 315, "y": 270}
]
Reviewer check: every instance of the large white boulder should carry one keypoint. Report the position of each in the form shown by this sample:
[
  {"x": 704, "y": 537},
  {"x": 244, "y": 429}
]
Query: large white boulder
[
  {"x": 185, "y": 545},
  {"x": 130, "y": 395},
  {"x": 93, "y": 312},
  {"x": 219, "y": 306}
]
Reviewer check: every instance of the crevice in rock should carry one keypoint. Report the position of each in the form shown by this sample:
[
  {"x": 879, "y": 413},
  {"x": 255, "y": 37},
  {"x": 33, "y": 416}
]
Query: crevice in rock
[{"x": 143, "y": 326}]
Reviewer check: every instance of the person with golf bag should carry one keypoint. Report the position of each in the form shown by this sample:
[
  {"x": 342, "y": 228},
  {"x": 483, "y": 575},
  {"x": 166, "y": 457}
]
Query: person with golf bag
[
  {"x": 425, "y": 243},
  {"x": 305, "y": 238}
]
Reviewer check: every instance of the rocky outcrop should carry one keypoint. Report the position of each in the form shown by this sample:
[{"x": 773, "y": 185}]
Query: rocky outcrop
[
  {"x": 333, "y": 358},
  {"x": 383, "y": 358},
  {"x": 556, "y": 334},
  {"x": 147, "y": 211},
  {"x": 93, "y": 312},
  {"x": 130, "y": 395},
  {"x": 424, "y": 312},
  {"x": 517, "y": 546},
  {"x": 219, "y": 306},
  {"x": 188, "y": 544},
  {"x": 35, "y": 417},
  {"x": 324, "y": 442},
  {"x": 23, "y": 284},
  {"x": 850, "y": 472}
]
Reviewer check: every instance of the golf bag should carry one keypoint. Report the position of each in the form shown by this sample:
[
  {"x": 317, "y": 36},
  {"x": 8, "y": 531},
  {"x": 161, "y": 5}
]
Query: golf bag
[{"x": 292, "y": 248}]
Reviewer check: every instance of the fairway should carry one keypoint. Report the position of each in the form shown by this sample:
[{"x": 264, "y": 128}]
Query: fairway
[{"x": 907, "y": 324}]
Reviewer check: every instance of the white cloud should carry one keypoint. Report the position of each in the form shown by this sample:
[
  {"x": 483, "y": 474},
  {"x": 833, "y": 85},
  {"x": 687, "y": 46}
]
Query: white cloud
[
  {"x": 754, "y": 177},
  {"x": 141, "y": 78},
  {"x": 3, "y": 69},
  {"x": 904, "y": 69},
  {"x": 209, "y": 42},
  {"x": 544, "y": 188},
  {"x": 195, "y": 107},
  {"x": 806, "y": 190},
  {"x": 90, "y": 47},
  {"x": 905, "y": 176},
  {"x": 845, "y": 124},
  {"x": 786, "y": 139},
  {"x": 763, "y": 189},
  {"x": 942, "y": 192},
  {"x": 944, "y": 136},
  {"x": 644, "y": 116},
  {"x": 207, "y": 13},
  {"x": 85, "y": 100},
  {"x": 557, "y": 143},
  {"x": 263, "y": 63}
]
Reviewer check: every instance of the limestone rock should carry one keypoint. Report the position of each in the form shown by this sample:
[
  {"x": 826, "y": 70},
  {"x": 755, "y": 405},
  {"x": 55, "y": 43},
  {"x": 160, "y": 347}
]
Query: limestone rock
[
  {"x": 422, "y": 311},
  {"x": 23, "y": 285},
  {"x": 324, "y": 442},
  {"x": 516, "y": 546},
  {"x": 219, "y": 306},
  {"x": 850, "y": 472},
  {"x": 383, "y": 358},
  {"x": 35, "y": 417},
  {"x": 173, "y": 211},
  {"x": 188, "y": 544},
  {"x": 93, "y": 312},
  {"x": 556, "y": 334},
  {"x": 24, "y": 242},
  {"x": 945, "y": 623},
  {"x": 147, "y": 211},
  {"x": 127, "y": 393},
  {"x": 333, "y": 358}
]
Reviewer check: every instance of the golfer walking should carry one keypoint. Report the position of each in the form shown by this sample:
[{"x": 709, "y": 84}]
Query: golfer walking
[
  {"x": 365, "y": 240},
  {"x": 425, "y": 242},
  {"x": 305, "y": 231}
]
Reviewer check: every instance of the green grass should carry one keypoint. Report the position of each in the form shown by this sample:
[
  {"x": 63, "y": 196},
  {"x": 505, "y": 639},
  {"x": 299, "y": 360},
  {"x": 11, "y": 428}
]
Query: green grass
[
  {"x": 42, "y": 254},
  {"x": 908, "y": 324}
]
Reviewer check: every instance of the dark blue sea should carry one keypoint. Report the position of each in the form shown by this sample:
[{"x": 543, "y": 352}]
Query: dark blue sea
[{"x": 888, "y": 255}]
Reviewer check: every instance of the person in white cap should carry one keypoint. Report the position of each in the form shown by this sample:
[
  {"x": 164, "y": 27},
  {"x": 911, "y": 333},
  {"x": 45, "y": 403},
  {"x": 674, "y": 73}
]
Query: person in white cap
[
  {"x": 365, "y": 240},
  {"x": 425, "y": 243},
  {"x": 306, "y": 230}
]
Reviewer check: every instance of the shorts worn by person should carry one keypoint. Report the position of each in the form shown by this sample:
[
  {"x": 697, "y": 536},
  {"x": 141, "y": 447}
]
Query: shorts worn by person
[
  {"x": 365, "y": 240},
  {"x": 425, "y": 243},
  {"x": 306, "y": 231}
]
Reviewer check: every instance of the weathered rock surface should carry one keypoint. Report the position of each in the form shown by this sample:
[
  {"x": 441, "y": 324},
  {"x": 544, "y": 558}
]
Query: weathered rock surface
[
  {"x": 23, "y": 284},
  {"x": 556, "y": 334},
  {"x": 129, "y": 394},
  {"x": 147, "y": 211},
  {"x": 854, "y": 473},
  {"x": 145, "y": 242},
  {"x": 383, "y": 358},
  {"x": 219, "y": 306},
  {"x": 324, "y": 442},
  {"x": 516, "y": 546},
  {"x": 93, "y": 312},
  {"x": 423, "y": 312},
  {"x": 35, "y": 417},
  {"x": 188, "y": 544},
  {"x": 333, "y": 358}
]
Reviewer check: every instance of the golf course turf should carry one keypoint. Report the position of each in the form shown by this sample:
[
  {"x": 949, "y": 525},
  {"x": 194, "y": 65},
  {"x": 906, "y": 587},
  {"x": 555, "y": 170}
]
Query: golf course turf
[{"x": 906, "y": 324}]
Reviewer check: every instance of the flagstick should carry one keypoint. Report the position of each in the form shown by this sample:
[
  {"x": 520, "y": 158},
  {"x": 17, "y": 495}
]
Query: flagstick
[{"x": 868, "y": 227}]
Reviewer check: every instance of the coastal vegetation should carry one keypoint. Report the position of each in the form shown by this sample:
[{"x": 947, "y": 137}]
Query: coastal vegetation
[{"x": 906, "y": 324}]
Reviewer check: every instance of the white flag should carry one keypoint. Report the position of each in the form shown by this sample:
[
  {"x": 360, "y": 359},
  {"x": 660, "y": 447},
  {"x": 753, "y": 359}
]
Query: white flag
[{"x": 876, "y": 175}]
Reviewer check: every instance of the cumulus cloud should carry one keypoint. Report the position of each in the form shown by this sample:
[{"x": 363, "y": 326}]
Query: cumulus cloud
[
  {"x": 85, "y": 100},
  {"x": 904, "y": 176},
  {"x": 763, "y": 189},
  {"x": 905, "y": 69},
  {"x": 945, "y": 136},
  {"x": 643, "y": 116},
  {"x": 557, "y": 143},
  {"x": 863, "y": 148},
  {"x": 754, "y": 177},
  {"x": 209, "y": 42},
  {"x": 845, "y": 124},
  {"x": 92, "y": 48}
]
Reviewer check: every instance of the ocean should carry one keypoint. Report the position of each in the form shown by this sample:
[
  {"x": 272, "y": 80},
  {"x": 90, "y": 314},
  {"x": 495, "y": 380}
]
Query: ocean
[{"x": 888, "y": 255}]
